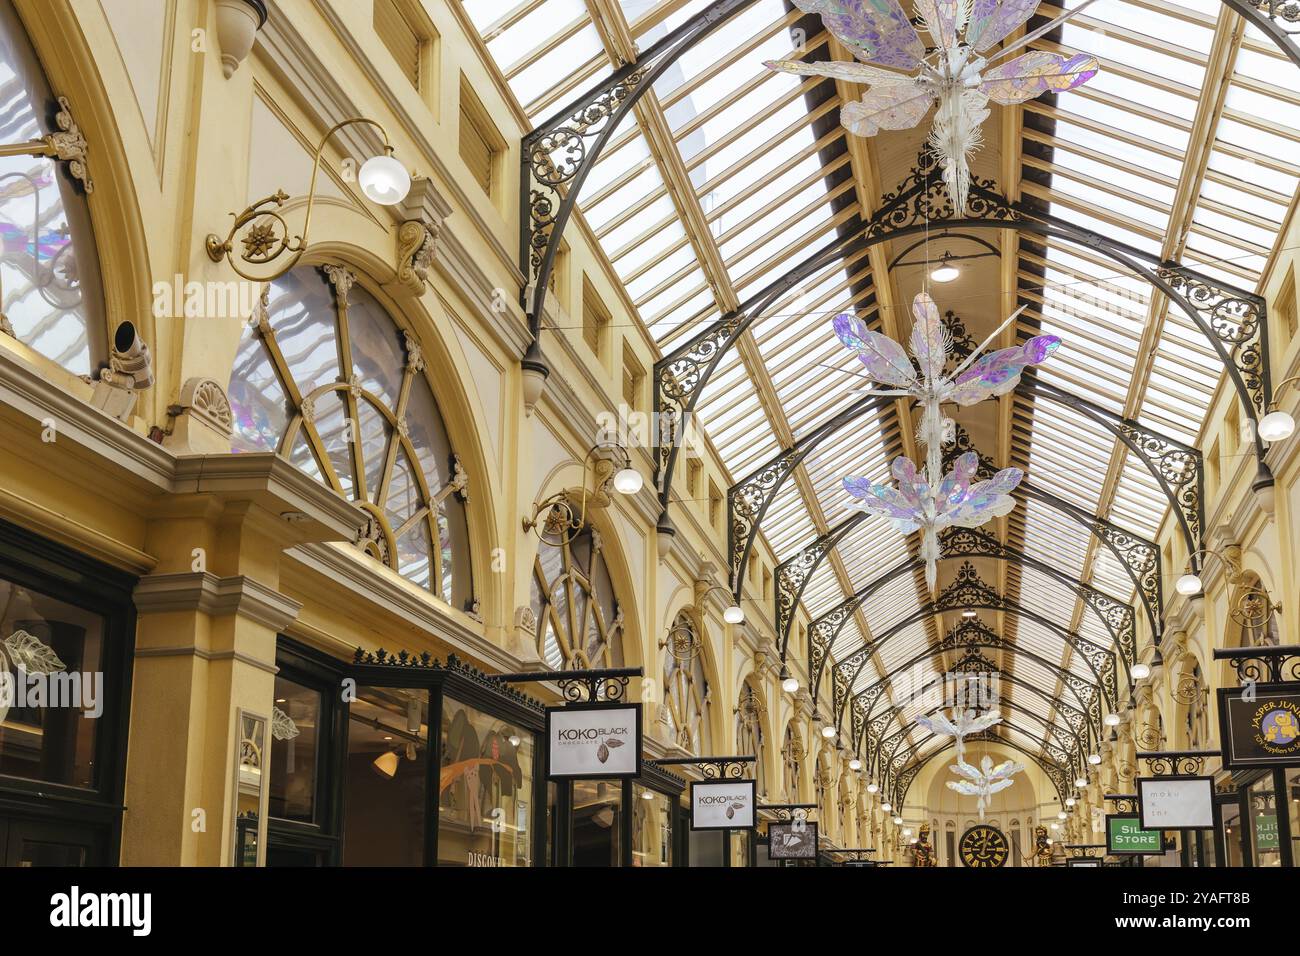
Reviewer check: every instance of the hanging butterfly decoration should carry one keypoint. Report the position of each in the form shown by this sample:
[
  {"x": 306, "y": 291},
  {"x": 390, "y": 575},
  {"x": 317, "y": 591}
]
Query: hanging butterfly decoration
[
  {"x": 927, "y": 500},
  {"x": 985, "y": 780},
  {"x": 961, "y": 74},
  {"x": 962, "y": 724}
]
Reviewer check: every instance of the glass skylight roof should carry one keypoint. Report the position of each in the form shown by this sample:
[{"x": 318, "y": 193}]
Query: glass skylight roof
[{"x": 1183, "y": 146}]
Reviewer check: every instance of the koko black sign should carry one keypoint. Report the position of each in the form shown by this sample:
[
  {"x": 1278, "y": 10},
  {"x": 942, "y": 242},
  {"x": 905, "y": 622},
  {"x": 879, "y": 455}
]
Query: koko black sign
[
  {"x": 1260, "y": 725},
  {"x": 593, "y": 741},
  {"x": 722, "y": 804}
]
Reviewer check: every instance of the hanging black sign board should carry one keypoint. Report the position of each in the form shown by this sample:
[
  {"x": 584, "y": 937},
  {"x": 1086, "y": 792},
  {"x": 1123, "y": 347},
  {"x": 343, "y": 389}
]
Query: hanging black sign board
[
  {"x": 792, "y": 840},
  {"x": 593, "y": 741},
  {"x": 723, "y": 804},
  {"x": 1259, "y": 725}
]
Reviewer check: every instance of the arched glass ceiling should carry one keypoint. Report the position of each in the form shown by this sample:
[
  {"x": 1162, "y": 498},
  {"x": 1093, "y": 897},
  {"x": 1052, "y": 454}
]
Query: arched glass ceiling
[{"x": 1183, "y": 145}]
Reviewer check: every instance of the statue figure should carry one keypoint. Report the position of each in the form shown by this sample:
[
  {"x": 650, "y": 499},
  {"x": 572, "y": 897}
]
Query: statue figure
[
  {"x": 1042, "y": 849},
  {"x": 923, "y": 853}
]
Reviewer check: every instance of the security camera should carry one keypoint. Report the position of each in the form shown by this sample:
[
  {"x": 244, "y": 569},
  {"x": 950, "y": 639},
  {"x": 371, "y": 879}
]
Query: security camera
[{"x": 130, "y": 370}]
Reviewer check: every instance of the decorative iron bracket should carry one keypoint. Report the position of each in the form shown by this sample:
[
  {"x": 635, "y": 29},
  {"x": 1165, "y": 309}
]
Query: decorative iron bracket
[
  {"x": 1176, "y": 763},
  {"x": 603, "y": 684},
  {"x": 710, "y": 768},
  {"x": 1274, "y": 664}
]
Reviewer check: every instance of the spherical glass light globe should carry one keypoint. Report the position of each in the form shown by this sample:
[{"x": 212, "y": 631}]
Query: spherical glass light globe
[
  {"x": 884, "y": 806},
  {"x": 1141, "y": 671},
  {"x": 873, "y": 787},
  {"x": 734, "y": 614},
  {"x": 1062, "y": 815},
  {"x": 384, "y": 180},
  {"x": 790, "y": 685},
  {"x": 628, "y": 481},
  {"x": 898, "y": 821},
  {"x": 828, "y": 731},
  {"x": 855, "y": 764},
  {"x": 1113, "y": 720},
  {"x": 647, "y": 795},
  {"x": 1081, "y": 782},
  {"x": 1070, "y": 801},
  {"x": 1094, "y": 759},
  {"x": 1276, "y": 426},
  {"x": 1188, "y": 584}
]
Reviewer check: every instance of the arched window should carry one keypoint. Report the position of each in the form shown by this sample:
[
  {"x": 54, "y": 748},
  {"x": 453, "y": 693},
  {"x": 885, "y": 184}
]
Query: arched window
[
  {"x": 749, "y": 731},
  {"x": 324, "y": 377},
  {"x": 579, "y": 621},
  {"x": 50, "y": 295},
  {"x": 791, "y": 755},
  {"x": 1192, "y": 693},
  {"x": 686, "y": 696},
  {"x": 1252, "y": 617}
]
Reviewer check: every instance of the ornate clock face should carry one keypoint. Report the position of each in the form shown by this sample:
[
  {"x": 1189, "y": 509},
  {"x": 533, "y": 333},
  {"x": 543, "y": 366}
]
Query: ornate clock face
[{"x": 983, "y": 846}]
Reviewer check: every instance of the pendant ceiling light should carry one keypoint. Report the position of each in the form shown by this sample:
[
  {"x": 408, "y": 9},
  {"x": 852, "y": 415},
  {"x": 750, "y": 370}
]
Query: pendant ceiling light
[{"x": 961, "y": 74}]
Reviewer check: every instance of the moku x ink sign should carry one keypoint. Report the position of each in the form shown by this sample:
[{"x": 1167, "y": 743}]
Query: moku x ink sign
[{"x": 593, "y": 741}]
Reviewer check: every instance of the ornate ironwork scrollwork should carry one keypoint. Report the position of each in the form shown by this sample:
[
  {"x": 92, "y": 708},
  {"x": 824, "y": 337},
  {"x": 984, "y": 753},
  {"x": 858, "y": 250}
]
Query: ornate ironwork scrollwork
[
  {"x": 1238, "y": 320},
  {"x": 1274, "y": 664},
  {"x": 579, "y": 688},
  {"x": 793, "y": 574},
  {"x": 1174, "y": 763}
]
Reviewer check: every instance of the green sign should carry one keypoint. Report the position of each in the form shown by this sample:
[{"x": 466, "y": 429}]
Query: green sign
[
  {"x": 1124, "y": 834},
  {"x": 1266, "y": 832}
]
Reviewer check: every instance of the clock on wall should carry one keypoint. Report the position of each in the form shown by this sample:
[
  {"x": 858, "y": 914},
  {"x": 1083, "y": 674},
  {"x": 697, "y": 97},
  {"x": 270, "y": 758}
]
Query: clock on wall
[{"x": 983, "y": 846}]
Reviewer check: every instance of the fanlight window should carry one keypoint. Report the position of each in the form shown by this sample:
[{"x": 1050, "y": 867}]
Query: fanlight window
[
  {"x": 791, "y": 754},
  {"x": 686, "y": 698},
  {"x": 50, "y": 295},
  {"x": 325, "y": 378},
  {"x": 579, "y": 621},
  {"x": 749, "y": 731}
]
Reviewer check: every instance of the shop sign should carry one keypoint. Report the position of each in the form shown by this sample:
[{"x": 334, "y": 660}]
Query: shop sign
[
  {"x": 1125, "y": 835},
  {"x": 1260, "y": 725},
  {"x": 723, "y": 805},
  {"x": 593, "y": 741},
  {"x": 1176, "y": 802},
  {"x": 792, "y": 840}
]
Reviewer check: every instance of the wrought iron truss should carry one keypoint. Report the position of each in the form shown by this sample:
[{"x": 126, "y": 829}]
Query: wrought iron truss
[
  {"x": 1139, "y": 557},
  {"x": 969, "y": 592},
  {"x": 1233, "y": 320},
  {"x": 900, "y": 782},
  {"x": 969, "y": 637},
  {"x": 1115, "y": 615}
]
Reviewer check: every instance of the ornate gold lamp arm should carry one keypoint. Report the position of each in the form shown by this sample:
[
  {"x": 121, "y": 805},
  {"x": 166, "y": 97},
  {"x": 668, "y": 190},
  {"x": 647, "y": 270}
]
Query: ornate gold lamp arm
[
  {"x": 566, "y": 523},
  {"x": 263, "y": 242}
]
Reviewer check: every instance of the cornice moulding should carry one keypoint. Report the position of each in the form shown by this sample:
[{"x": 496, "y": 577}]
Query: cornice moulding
[{"x": 206, "y": 593}]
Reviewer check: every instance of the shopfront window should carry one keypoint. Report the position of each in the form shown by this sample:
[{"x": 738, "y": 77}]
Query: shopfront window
[
  {"x": 295, "y": 753},
  {"x": 485, "y": 790},
  {"x": 652, "y": 827},
  {"x": 597, "y": 816},
  {"x": 1261, "y": 800},
  {"x": 52, "y": 687},
  {"x": 1230, "y": 821},
  {"x": 1293, "y": 808},
  {"x": 386, "y": 773}
]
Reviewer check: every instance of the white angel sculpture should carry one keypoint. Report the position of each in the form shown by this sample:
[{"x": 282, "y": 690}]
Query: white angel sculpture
[
  {"x": 926, "y": 499},
  {"x": 963, "y": 724},
  {"x": 984, "y": 781},
  {"x": 954, "y": 75}
]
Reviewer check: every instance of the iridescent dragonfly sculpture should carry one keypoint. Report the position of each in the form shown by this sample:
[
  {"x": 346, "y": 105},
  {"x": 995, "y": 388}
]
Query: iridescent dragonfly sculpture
[
  {"x": 927, "y": 500},
  {"x": 960, "y": 74},
  {"x": 985, "y": 780},
  {"x": 962, "y": 724}
]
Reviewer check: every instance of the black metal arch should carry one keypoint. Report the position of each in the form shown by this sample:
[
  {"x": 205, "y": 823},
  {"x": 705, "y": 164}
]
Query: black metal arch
[
  {"x": 866, "y": 728},
  {"x": 1117, "y": 616},
  {"x": 1139, "y": 557},
  {"x": 1074, "y": 754},
  {"x": 902, "y": 781},
  {"x": 970, "y": 594},
  {"x": 1233, "y": 320},
  {"x": 1087, "y": 694}
]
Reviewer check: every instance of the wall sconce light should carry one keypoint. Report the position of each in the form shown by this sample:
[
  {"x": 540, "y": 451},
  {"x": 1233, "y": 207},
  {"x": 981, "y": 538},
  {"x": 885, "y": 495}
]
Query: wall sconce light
[
  {"x": 1081, "y": 782},
  {"x": 873, "y": 787},
  {"x": 265, "y": 233},
  {"x": 1253, "y": 606},
  {"x": 1277, "y": 424},
  {"x": 1190, "y": 583},
  {"x": 855, "y": 764},
  {"x": 789, "y": 683},
  {"x": 1094, "y": 759},
  {"x": 561, "y": 521}
]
